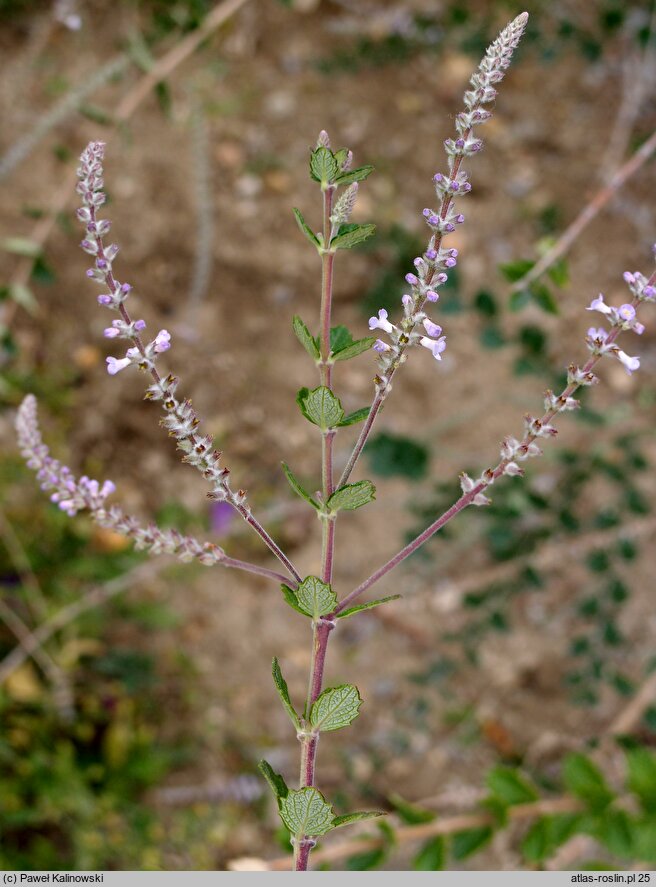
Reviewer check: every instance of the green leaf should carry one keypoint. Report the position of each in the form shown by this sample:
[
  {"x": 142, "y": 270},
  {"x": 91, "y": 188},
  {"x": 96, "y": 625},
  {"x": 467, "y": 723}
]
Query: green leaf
[
  {"x": 305, "y": 228},
  {"x": 354, "y": 175},
  {"x": 644, "y": 838},
  {"x": 509, "y": 786},
  {"x": 614, "y": 830},
  {"x": 315, "y": 598},
  {"x": 585, "y": 781},
  {"x": 304, "y": 337},
  {"x": 323, "y": 166},
  {"x": 410, "y": 813},
  {"x": 546, "y": 835},
  {"x": 543, "y": 297},
  {"x": 348, "y": 818},
  {"x": 463, "y": 844},
  {"x": 290, "y": 598},
  {"x": 355, "y": 417},
  {"x": 352, "y": 496},
  {"x": 354, "y": 349},
  {"x": 559, "y": 273},
  {"x": 306, "y": 812},
  {"x": 641, "y": 777},
  {"x": 335, "y": 708},
  {"x": 283, "y": 692},
  {"x": 321, "y": 407},
  {"x": 364, "y": 862},
  {"x": 21, "y": 246},
  {"x": 514, "y": 271},
  {"x": 368, "y": 606},
  {"x": 340, "y": 337},
  {"x": 301, "y": 397},
  {"x": 431, "y": 856},
  {"x": 350, "y": 235},
  {"x": 519, "y": 300},
  {"x": 392, "y": 455},
  {"x": 275, "y": 780},
  {"x": 341, "y": 156},
  {"x": 297, "y": 488}
]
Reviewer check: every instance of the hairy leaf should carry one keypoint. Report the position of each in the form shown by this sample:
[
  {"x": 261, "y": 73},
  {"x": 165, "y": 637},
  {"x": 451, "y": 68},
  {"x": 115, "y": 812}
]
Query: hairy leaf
[
  {"x": 304, "y": 337},
  {"x": 585, "y": 781},
  {"x": 283, "y": 692},
  {"x": 464, "y": 843},
  {"x": 290, "y": 598},
  {"x": 432, "y": 855},
  {"x": 315, "y": 598},
  {"x": 354, "y": 417},
  {"x": 349, "y": 235},
  {"x": 275, "y": 780},
  {"x": 323, "y": 166},
  {"x": 352, "y": 496},
  {"x": 368, "y": 606},
  {"x": 305, "y": 228},
  {"x": 348, "y": 818},
  {"x": 354, "y": 175},
  {"x": 297, "y": 488},
  {"x": 335, "y": 708},
  {"x": 509, "y": 786},
  {"x": 322, "y": 408},
  {"x": 354, "y": 349},
  {"x": 306, "y": 812}
]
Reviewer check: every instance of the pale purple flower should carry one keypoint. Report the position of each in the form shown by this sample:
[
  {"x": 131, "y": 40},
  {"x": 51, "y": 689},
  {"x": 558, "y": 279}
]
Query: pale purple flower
[
  {"x": 631, "y": 363},
  {"x": 381, "y": 322},
  {"x": 380, "y": 346},
  {"x": 435, "y": 346},
  {"x": 115, "y": 366},
  {"x": 162, "y": 341},
  {"x": 432, "y": 328},
  {"x": 432, "y": 296},
  {"x": 598, "y": 304}
]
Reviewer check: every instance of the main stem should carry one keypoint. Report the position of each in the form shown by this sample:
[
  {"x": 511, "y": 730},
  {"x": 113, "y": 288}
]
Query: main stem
[{"x": 322, "y": 628}]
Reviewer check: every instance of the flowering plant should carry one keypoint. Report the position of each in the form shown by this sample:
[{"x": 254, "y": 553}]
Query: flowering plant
[{"x": 305, "y": 811}]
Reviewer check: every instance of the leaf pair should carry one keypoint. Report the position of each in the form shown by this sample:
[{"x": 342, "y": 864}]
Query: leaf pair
[{"x": 342, "y": 344}]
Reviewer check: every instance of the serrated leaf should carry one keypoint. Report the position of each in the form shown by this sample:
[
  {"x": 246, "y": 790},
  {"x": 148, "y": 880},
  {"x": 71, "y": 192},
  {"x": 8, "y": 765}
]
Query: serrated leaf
[
  {"x": 305, "y": 228},
  {"x": 335, "y": 708},
  {"x": 340, "y": 337},
  {"x": 354, "y": 349},
  {"x": 585, "y": 781},
  {"x": 411, "y": 814},
  {"x": 321, "y": 407},
  {"x": 315, "y": 598},
  {"x": 275, "y": 780},
  {"x": 350, "y": 235},
  {"x": 431, "y": 856},
  {"x": 348, "y": 818},
  {"x": 21, "y": 246},
  {"x": 297, "y": 488},
  {"x": 509, "y": 786},
  {"x": 323, "y": 166},
  {"x": 464, "y": 843},
  {"x": 291, "y": 599},
  {"x": 354, "y": 417},
  {"x": 368, "y": 606},
  {"x": 283, "y": 692},
  {"x": 352, "y": 496},
  {"x": 306, "y": 812},
  {"x": 641, "y": 776},
  {"x": 355, "y": 175},
  {"x": 305, "y": 338}
]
